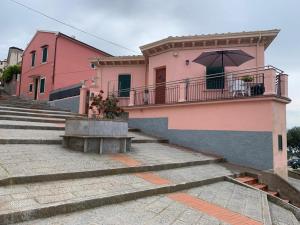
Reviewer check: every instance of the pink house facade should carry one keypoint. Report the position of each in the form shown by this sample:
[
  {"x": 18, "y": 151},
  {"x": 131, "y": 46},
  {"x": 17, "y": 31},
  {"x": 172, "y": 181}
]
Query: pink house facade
[
  {"x": 54, "y": 61},
  {"x": 238, "y": 113}
]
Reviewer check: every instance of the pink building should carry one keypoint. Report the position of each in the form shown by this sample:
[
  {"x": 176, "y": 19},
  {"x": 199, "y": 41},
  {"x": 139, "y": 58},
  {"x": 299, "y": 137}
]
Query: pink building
[
  {"x": 54, "y": 61},
  {"x": 238, "y": 112}
]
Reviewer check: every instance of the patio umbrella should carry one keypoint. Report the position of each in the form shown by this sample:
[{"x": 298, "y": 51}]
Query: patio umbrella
[{"x": 223, "y": 58}]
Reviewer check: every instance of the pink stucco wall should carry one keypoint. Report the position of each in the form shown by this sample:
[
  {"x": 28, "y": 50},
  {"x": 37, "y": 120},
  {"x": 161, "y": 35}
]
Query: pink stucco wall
[
  {"x": 255, "y": 115},
  {"x": 107, "y": 76},
  {"x": 176, "y": 68},
  {"x": 70, "y": 60},
  {"x": 40, "y": 69},
  {"x": 279, "y": 128},
  {"x": 243, "y": 115},
  {"x": 72, "y": 63}
]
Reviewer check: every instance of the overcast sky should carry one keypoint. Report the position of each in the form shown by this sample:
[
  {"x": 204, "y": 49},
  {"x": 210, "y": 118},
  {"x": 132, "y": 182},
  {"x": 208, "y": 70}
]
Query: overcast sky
[{"x": 133, "y": 23}]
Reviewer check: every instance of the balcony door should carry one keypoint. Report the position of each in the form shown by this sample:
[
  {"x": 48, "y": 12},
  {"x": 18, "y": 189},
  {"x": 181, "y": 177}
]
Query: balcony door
[{"x": 160, "y": 86}]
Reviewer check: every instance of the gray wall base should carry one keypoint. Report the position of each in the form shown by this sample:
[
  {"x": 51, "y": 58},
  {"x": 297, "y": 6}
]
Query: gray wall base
[
  {"x": 246, "y": 148},
  {"x": 70, "y": 104}
]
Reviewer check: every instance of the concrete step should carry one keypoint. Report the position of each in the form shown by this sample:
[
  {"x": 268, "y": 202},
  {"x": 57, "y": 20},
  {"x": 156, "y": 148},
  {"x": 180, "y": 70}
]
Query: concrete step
[
  {"x": 19, "y": 109},
  {"x": 39, "y": 200},
  {"x": 27, "y": 105},
  {"x": 30, "y": 127},
  {"x": 73, "y": 175},
  {"x": 36, "y": 114},
  {"x": 32, "y": 119}
]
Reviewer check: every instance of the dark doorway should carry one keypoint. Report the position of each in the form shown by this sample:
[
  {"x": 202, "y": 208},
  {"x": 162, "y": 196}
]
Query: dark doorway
[
  {"x": 36, "y": 84},
  {"x": 215, "y": 78},
  {"x": 160, "y": 86}
]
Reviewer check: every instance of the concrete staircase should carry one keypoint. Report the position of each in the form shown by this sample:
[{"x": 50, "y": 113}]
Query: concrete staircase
[{"x": 41, "y": 182}]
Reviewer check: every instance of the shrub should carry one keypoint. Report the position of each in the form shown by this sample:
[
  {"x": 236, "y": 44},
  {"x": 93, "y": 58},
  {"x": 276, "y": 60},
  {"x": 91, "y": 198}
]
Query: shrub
[
  {"x": 293, "y": 141},
  {"x": 108, "y": 108},
  {"x": 9, "y": 72}
]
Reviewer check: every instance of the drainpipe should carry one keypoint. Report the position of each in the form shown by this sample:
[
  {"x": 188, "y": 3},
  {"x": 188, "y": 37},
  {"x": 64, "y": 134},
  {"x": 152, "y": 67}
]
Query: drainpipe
[
  {"x": 257, "y": 45},
  {"x": 21, "y": 75},
  {"x": 54, "y": 63}
]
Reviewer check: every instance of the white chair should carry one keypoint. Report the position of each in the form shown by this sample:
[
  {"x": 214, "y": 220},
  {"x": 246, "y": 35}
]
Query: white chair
[{"x": 236, "y": 86}]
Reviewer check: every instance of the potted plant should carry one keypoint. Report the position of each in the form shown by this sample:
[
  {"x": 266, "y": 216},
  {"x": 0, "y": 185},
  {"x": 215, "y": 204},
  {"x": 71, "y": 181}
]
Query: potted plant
[{"x": 247, "y": 78}]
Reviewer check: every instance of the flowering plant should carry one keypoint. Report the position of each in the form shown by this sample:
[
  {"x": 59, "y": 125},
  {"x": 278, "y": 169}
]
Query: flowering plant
[{"x": 106, "y": 108}]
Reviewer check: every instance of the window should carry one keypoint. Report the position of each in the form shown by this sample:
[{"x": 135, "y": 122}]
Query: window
[
  {"x": 44, "y": 54},
  {"x": 42, "y": 85},
  {"x": 30, "y": 87},
  {"x": 280, "y": 142},
  {"x": 124, "y": 85},
  {"x": 32, "y": 58},
  {"x": 214, "y": 78}
]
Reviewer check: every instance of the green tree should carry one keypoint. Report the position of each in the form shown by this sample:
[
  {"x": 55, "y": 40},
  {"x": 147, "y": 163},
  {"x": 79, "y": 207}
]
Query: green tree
[
  {"x": 293, "y": 141},
  {"x": 9, "y": 72}
]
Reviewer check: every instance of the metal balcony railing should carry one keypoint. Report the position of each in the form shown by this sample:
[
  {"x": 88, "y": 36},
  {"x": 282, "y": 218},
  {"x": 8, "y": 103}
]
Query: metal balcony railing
[{"x": 222, "y": 86}]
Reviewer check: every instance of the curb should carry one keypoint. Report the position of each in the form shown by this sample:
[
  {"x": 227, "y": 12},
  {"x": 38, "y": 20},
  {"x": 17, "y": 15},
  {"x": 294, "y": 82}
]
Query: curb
[
  {"x": 49, "y": 211},
  {"x": 104, "y": 172}
]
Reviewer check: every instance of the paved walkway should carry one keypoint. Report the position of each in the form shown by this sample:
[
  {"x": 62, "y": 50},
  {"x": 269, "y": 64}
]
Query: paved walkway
[
  {"x": 28, "y": 160},
  {"x": 176, "y": 209},
  {"x": 281, "y": 216},
  {"x": 294, "y": 182},
  {"x": 169, "y": 169},
  {"x": 37, "y": 195}
]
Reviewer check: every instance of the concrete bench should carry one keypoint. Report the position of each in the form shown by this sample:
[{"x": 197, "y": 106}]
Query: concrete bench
[{"x": 97, "y": 144}]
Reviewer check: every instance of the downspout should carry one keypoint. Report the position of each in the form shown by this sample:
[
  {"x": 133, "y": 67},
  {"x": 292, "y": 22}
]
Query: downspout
[
  {"x": 21, "y": 75},
  {"x": 54, "y": 63},
  {"x": 257, "y": 45}
]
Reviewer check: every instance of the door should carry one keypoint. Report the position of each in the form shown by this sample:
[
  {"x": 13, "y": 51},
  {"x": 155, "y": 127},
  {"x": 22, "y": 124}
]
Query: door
[
  {"x": 160, "y": 86},
  {"x": 36, "y": 84}
]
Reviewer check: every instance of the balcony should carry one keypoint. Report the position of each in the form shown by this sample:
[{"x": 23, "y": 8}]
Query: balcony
[{"x": 257, "y": 82}]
